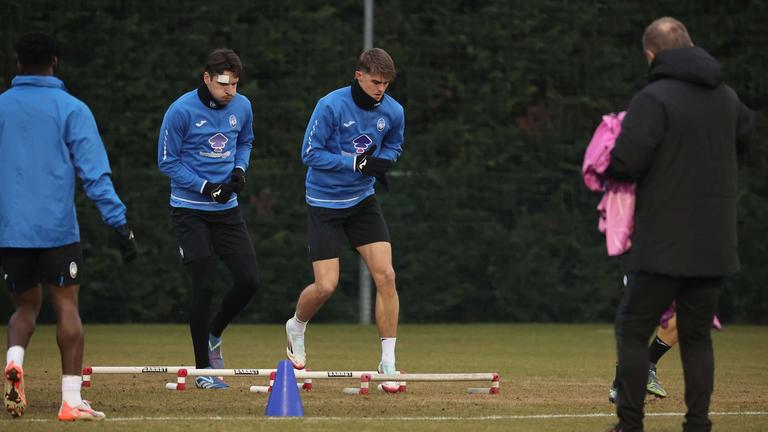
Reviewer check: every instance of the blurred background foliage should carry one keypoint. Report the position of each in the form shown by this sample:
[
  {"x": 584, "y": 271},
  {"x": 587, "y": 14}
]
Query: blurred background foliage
[{"x": 489, "y": 217}]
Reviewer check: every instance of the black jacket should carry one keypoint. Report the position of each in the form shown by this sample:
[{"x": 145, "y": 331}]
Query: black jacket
[{"x": 679, "y": 143}]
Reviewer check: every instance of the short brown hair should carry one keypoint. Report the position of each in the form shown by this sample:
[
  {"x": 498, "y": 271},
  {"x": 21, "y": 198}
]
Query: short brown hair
[
  {"x": 666, "y": 33},
  {"x": 221, "y": 60},
  {"x": 376, "y": 61}
]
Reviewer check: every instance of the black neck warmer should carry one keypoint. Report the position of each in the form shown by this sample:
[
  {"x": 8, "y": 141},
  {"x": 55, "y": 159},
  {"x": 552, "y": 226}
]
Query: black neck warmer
[
  {"x": 362, "y": 99},
  {"x": 206, "y": 97}
]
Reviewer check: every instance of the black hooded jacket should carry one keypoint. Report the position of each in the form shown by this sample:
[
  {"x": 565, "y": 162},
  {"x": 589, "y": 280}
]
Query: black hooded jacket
[{"x": 679, "y": 142}]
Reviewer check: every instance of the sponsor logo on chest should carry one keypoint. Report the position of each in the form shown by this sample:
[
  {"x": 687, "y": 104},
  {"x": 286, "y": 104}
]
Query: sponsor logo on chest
[
  {"x": 217, "y": 142},
  {"x": 361, "y": 143}
]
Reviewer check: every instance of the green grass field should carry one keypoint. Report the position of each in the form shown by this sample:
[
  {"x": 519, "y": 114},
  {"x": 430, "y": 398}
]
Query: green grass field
[{"x": 554, "y": 378}]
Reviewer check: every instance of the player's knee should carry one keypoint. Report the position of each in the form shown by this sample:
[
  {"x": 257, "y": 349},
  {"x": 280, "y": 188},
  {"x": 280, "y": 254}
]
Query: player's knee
[
  {"x": 249, "y": 281},
  {"x": 27, "y": 312},
  {"x": 325, "y": 289},
  {"x": 385, "y": 278},
  {"x": 70, "y": 331}
]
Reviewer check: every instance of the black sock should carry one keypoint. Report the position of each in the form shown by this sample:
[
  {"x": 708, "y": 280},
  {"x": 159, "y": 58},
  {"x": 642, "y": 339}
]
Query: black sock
[{"x": 657, "y": 349}]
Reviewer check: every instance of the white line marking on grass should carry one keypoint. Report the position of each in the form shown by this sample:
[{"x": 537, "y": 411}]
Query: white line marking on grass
[{"x": 424, "y": 418}]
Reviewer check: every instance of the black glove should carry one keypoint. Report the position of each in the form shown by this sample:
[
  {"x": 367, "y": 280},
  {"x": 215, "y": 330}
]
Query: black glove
[
  {"x": 371, "y": 165},
  {"x": 219, "y": 192},
  {"x": 127, "y": 243},
  {"x": 237, "y": 181}
]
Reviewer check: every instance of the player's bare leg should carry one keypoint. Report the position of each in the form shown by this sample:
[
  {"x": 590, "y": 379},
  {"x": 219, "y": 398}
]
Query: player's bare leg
[
  {"x": 312, "y": 298},
  {"x": 69, "y": 336},
  {"x": 21, "y": 326},
  {"x": 378, "y": 258},
  {"x": 669, "y": 334},
  {"x": 69, "y": 328}
]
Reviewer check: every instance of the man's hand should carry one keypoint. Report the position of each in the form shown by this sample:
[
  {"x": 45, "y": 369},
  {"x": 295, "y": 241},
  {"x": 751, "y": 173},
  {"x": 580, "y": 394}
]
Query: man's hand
[
  {"x": 237, "y": 181},
  {"x": 371, "y": 165},
  {"x": 219, "y": 192},
  {"x": 127, "y": 243}
]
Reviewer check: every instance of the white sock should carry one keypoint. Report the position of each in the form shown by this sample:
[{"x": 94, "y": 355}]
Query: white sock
[
  {"x": 388, "y": 350},
  {"x": 15, "y": 354},
  {"x": 298, "y": 325},
  {"x": 70, "y": 389}
]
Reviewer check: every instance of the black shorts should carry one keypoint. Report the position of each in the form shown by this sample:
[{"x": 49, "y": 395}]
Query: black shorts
[
  {"x": 361, "y": 224},
  {"x": 202, "y": 233},
  {"x": 24, "y": 268}
]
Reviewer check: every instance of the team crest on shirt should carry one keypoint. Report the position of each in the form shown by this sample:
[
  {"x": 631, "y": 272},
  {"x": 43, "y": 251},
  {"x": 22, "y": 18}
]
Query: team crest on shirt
[
  {"x": 362, "y": 143},
  {"x": 232, "y": 120},
  {"x": 381, "y": 124},
  {"x": 73, "y": 270}
]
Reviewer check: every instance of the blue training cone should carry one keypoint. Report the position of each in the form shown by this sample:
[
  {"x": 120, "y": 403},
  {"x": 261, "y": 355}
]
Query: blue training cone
[{"x": 284, "y": 400}]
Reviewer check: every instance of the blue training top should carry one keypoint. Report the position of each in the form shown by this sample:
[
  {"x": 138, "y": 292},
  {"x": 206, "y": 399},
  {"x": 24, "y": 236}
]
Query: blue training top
[
  {"x": 199, "y": 144},
  {"x": 338, "y": 131},
  {"x": 48, "y": 136}
]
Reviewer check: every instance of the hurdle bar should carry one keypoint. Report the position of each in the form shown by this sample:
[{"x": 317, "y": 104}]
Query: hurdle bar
[
  {"x": 309, "y": 375},
  {"x": 182, "y": 374},
  {"x": 88, "y": 371},
  {"x": 176, "y": 370},
  {"x": 268, "y": 389},
  {"x": 366, "y": 379}
]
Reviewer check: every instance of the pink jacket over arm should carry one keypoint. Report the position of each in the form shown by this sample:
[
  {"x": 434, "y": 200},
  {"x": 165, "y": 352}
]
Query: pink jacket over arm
[{"x": 617, "y": 208}]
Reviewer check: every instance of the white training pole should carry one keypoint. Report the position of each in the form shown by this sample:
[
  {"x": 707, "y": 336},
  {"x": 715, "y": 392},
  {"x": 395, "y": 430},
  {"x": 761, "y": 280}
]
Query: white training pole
[
  {"x": 88, "y": 371},
  {"x": 433, "y": 377},
  {"x": 229, "y": 372},
  {"x": 137, "y": 369},
  {"x": 300, "y": 374}
]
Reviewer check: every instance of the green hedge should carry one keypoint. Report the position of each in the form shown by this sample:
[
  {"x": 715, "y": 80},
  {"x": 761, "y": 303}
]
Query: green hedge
[{"x": 488, "y": 213}]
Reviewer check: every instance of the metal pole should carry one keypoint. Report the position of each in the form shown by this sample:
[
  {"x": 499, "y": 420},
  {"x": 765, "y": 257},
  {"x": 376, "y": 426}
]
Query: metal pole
[
  {"x": 365, "y": 293},
  {"x": 365, "y": 288},
  {"x": 368, "y": 25}
]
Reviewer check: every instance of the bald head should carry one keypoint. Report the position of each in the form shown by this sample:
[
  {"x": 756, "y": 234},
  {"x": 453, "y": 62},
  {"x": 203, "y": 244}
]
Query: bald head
[{"x": 665, "y": 33}]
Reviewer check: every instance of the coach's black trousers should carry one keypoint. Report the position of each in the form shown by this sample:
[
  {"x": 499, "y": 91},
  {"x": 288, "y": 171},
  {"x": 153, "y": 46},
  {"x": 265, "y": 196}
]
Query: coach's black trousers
[{"x": 645, "y": 298}]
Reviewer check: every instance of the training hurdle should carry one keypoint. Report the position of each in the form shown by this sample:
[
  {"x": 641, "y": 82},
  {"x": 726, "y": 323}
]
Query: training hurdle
[
  {"x": 181, "y": 373},
  {"x": 365, "y": 377},
  {"x": 128, "y": 370},
  {"x": 402, "y": 378},
  {"x": 308, "y": 375}
]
